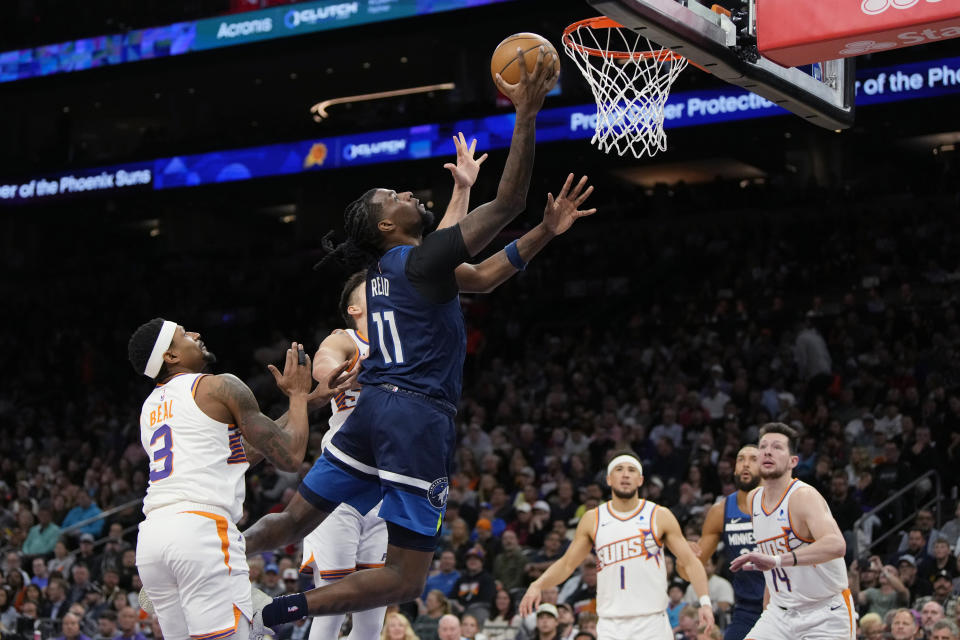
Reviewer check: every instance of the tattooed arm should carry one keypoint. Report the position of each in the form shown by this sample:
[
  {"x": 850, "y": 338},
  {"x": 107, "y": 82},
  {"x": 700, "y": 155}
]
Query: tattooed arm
[{"x": 283, "y": 442}]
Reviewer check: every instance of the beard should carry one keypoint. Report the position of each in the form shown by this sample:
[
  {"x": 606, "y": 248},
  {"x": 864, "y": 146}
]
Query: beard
[
  {"x": 626, "y": 495},
  {"x": 426, "y": 219},
  {"x": 772, "y": 474},
  {"x": 209, "y": 359},
  {"x": 748, "y": 486}
]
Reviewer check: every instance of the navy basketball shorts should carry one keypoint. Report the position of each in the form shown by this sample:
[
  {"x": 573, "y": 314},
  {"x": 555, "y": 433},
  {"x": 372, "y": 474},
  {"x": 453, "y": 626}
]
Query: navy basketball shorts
[
  {"x": 740, "y": 624},
  {"x": 396, "y": 446}
]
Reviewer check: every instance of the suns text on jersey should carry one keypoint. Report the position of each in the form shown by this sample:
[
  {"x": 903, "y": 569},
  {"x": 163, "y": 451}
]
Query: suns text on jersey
[
  {"x": 162, "y": 413},
  {"x": 777, "y": 545},
  {"x": 621, "y": 550},
  {"x": 379, "y": 286}
]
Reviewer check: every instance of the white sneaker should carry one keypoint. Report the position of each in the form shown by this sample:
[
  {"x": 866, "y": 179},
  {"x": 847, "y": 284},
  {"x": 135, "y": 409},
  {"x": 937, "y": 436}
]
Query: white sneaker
[
  {"x": 258, "y": 631},
  {"x": 145, "y": 603}
]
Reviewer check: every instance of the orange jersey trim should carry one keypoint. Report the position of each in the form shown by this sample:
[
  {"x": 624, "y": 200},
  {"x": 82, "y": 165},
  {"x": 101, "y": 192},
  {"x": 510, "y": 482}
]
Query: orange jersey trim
[
  {"x": 356, "y": 356},
  {"x": 336, "y": 574},
  {"x": 847, "y": 601},
  {"x": 223, "y": 633},
  {"x": 786, "y": 491},
  {"x": 653, "y": 526},
  {"x": 222, "y": 532},
  {"x": 371, "y": 565},
  {"x": 632, "y": 515},
  {"x": 196, "y": 383},
  {"x": 362, "y": 338},
  {"x": 160, "y": 384},
  {"x": 306, "y": 564},
  {"x": 794, "y": 529},
  {"x": 237, "y": 454}
]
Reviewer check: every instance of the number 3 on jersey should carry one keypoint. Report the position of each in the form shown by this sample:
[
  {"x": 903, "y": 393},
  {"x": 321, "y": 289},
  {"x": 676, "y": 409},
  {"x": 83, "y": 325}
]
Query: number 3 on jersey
[
  {"x": 388, "y": 319},
  {"x": 162, "y": 465}
]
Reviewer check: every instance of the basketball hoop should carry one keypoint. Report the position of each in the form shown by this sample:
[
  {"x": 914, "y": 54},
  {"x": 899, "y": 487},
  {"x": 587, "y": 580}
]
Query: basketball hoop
[{"x": 630, "y": 78}]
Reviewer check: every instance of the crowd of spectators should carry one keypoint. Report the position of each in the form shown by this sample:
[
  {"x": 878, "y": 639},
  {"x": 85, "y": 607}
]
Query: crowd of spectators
[{"x": 676, "y": 340}]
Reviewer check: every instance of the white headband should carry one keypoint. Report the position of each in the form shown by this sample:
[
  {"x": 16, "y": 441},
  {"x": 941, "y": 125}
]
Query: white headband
[
  {"x": 164, "y": 338},
  {"x": 624, "y": 459}
]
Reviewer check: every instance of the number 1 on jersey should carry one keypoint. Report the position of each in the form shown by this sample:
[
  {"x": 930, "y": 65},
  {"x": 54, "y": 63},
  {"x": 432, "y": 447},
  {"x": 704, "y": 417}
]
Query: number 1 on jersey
[
  {"x": 623, "y": 580},
  {"x": 388, "y": 319}
]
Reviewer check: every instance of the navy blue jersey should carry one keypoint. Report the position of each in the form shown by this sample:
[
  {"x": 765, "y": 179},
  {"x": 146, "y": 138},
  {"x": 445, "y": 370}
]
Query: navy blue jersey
[
  {"x": 415, "y": 344},
  {"x": 738, "y": 539}
]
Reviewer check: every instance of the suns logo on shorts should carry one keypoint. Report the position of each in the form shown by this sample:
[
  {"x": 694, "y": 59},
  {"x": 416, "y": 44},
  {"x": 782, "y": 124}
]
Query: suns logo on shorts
[{"x": 437, "y": 493}]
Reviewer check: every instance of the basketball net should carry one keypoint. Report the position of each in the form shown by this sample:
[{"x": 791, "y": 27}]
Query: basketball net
[{"x": 630, "y": 78}]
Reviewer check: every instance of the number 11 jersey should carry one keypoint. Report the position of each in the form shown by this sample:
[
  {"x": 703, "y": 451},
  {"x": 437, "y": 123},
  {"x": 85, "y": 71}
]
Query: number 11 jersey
[{"x": 415, "y": 343}]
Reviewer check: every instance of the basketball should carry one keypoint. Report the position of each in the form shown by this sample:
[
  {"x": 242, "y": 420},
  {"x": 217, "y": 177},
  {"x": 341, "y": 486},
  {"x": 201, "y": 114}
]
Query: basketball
[{"x": 506, "y": 63}]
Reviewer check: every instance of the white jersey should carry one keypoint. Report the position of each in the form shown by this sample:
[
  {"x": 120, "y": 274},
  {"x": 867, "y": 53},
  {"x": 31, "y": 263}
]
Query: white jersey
[
  {"x": 342, "y": 404},
  {"x": 193, "y": 458},
  {"x": 792, "y": 587},
  {"x": 632, "y": 576}
]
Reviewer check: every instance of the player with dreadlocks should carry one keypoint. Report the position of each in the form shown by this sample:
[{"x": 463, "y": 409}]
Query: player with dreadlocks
[
  {"x": 398, "y": 442},
  {"x": 348, "y": 540}
]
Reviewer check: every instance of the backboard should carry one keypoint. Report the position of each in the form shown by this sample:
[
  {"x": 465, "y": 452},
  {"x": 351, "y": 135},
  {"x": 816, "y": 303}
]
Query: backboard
[{"x": 726, "y": 46}]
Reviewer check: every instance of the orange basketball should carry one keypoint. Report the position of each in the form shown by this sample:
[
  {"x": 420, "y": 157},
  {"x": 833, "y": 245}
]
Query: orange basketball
[{"x": 506, "y": 62}]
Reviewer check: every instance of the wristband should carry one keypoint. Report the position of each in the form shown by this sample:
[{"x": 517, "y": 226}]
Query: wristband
[
  {"x": 285, "y": 609},
  {"x": 705, "y": 601},
  {"x": 513, "y": 255},
  {"x": 777, "y": 561}
]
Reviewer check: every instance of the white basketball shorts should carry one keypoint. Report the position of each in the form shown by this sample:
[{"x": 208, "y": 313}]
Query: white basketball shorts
[
  {"x": 655, "y": 626},
  {"x": 345, "y": 542},
  {"x": 830, "y": 619},
  {"x": 193, "y": 563}
]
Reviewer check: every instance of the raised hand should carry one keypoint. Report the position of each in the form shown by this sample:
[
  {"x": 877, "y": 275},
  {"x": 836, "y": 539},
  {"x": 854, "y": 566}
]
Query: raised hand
[
  {"x": 560, "y": 213},
  {"x": 466, "y": 170},
  {"x": 340, "y": 379},
  {"x": 296, "y": 378},
  {"x": 527, "y": 94}
]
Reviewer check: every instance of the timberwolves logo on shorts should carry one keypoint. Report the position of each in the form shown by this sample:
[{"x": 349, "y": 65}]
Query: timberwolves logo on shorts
[{"x": 437, "y": 493}]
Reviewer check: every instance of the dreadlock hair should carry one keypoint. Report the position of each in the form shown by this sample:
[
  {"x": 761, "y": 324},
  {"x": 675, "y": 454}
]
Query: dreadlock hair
[
  {"x": 140, "y": 346},
  {"x": 354, "y": 281},
  {"x": 363, "y": 244}
]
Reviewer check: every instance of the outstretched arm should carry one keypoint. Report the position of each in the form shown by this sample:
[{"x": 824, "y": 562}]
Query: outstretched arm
[
  {"x": 335, "y": 350},
  {"x": 814, "y": 522},
  {"x": 566, "y": 565},
  {"x": 486, "y": 221},
  {"x": 558, "y": 216},
  {"x": 672, "y": 537},
  {"x": 284, "y": 441},
  {"x": 464, "y": 176}
]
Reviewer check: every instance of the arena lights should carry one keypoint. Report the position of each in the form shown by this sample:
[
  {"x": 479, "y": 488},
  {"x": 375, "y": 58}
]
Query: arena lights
[
  {"x": 319, "y": 110},
  {"x": 213, "y": 33},
  {"x": 927, "y": 79}
]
